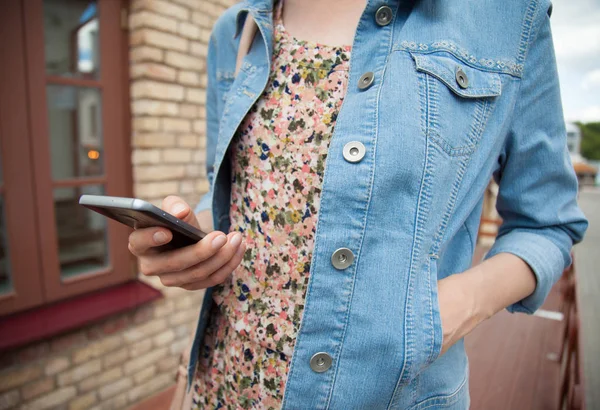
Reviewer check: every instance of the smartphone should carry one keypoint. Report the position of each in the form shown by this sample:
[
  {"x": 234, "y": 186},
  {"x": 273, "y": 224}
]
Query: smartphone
[{"x": 137, "y": 213}]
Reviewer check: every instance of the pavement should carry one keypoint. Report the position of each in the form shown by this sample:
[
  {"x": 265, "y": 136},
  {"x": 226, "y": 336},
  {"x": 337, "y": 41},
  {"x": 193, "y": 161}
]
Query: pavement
[{"x": 587, "y": 269}]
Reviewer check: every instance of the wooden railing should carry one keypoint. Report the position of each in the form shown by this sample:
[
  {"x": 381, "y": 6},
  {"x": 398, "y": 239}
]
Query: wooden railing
[{"x": 571, "y": 380}]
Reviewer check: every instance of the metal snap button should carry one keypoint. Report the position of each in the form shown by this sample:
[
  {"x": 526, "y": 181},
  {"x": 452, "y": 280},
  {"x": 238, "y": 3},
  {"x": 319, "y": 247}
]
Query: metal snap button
[
  {"x": 461, "y": 78},
  {"x": 354, "y": 151},
  {"x": 320, "y": 362},
  {"x": 342, "y": 258},
  {"x": 366, "y": 80},
  {"x": 383, "y": 16}
]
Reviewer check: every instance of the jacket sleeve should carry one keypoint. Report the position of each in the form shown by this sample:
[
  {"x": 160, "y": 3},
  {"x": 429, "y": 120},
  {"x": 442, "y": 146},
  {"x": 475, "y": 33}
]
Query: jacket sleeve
[
  {"x": 212, "y": 124},
  {"x": 537, "y": 198}
]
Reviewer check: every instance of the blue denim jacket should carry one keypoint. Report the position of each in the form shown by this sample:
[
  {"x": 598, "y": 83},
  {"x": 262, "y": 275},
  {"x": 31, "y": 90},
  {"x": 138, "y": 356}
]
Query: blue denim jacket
[{"x": 462, "y": 91}]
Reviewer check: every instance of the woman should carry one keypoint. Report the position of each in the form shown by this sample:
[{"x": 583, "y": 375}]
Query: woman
[{"x": 347, "y": 162}]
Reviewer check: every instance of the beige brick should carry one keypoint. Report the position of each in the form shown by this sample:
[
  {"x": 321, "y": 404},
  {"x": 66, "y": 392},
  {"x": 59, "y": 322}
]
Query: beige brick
[
  {"x": 56, "y": 364},
  {"x": 153, "y": 71},
  {"x": 199, "y": 156},
  {"x": 144, "y": 375},
  {"x": 83, "y": 402},
  {"x": 146, "y": 18},
  {"x": 154, "y": 89},
  {"x": 202, "y": 141},
  {"x": 176, "y": 125},
  {"x": 188, "y": 30},
  {"x": 153, "y": 107},
  {"x": 189, "y": 78},
  {"x": 102, "y": 379},
  {"x": 200, "y": 126},
  {"x": 194, "y": 170},
  {"x": 111, "y": 390},
  {"x": 116, "y": 403},
  {"x": 139, "y": 348},
  {"x": 18, "y": 376},
  {"x": 162, "y": 7},
  {"x": 189, "y": 111},
  {"x": 97, "y": 349},
  {"x": 211, "y": 9},
  {"x": 168, "y": 364},
  {"x": 205, "y": 35},
  {"x": 158, "y": 172},
  {"x": 198, "y": 49},
  {"x": 153, "y": 140},
  {"x": 149, "y": 328},
  {"x": 115, "y": 358},
  {"x": 151, "y": 387},
  {"x": 177, "y": 155},
  {"x": 202, "y": 19},
  {"x": 184, "y": 61},
  {"x": 163, "y": 308},
  {"x": 151, "y": 37},
  {"x": 164, "y": 338},
  {"x": 146, "y": 360},
  {"x": 146, "y": 124},
  {"x": 177, "y": 347},
  {"x": 9, "y": 399},
  {"x": 186, "y": 187},
  {"x": 145, "y": 156},
  {"x": 51, "y": 400},
  {"x": 203, "y": 81},
  {"x": 188, "y": 140},
  {"x": 202, "y": 186},
  {"x": 79, "y": 373},
  {"x": 145, "y": 53},
  {"x": 37, "y": 388},
  {"x": 192, "y": 4},
  {"x": 68, "y": 341},
  {"x": 155, "y": 189},
  {"x": 195, "y": 95}
]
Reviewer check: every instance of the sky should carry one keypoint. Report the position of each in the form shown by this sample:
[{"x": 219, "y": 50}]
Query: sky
[{"x": 576, "y": 34}]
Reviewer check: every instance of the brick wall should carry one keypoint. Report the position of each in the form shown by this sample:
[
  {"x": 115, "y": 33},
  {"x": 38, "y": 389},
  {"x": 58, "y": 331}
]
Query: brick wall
[
  {"x": 169, "y": 42},
  {"x": 131, "y": 356}
]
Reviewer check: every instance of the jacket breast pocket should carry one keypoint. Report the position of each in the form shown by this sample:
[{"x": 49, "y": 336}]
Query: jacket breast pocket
[{"x": 456, "y": 101}]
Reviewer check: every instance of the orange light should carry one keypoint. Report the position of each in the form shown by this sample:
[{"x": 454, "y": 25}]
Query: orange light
[{"x": 93, "y": 154}]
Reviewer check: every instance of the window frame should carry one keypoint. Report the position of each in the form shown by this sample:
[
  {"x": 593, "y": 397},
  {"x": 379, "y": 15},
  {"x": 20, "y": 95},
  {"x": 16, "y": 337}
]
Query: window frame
[{"x": 37, "y": 279}]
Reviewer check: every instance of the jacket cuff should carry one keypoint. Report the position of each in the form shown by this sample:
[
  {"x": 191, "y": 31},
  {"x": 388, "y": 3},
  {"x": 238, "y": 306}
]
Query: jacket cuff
[{"x": 543, "y": 257}]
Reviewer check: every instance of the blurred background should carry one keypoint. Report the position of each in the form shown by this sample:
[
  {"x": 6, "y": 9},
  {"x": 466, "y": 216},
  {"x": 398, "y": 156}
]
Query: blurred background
[{"x": 108, "y": 96}]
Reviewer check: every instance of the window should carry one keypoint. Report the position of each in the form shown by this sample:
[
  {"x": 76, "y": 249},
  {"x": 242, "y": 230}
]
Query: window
[{"x": 63, "y": 133}]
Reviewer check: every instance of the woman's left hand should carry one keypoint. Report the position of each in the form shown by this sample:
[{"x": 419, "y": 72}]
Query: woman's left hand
[{"x": 458, "y": 310}]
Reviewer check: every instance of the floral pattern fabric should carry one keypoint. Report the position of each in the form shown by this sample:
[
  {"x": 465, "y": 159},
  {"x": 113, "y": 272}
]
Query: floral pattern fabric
[{"x": 277, "y": 159}]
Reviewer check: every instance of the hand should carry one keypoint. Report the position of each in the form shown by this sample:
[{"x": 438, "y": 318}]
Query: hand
[
  {"x": 199, "y": 266},
  {"x": 457, "y": 308}
]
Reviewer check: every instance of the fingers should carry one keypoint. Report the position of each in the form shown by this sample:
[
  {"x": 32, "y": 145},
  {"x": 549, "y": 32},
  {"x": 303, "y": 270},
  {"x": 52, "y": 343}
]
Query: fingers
[
  {"x": 221, "y": 274},
  {"x": 141, "y": 241},
  {"x": 180, "y": 209},
  {"x": 208, "y": 272}
]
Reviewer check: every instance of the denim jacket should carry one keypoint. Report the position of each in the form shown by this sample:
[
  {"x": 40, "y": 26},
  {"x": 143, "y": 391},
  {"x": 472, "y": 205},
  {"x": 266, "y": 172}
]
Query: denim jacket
[{"x": 462, "y": 91}]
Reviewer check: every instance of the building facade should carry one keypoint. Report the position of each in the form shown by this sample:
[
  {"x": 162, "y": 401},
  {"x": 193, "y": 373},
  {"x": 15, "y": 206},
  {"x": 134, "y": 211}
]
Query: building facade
[{"x": 103, "y": 96}]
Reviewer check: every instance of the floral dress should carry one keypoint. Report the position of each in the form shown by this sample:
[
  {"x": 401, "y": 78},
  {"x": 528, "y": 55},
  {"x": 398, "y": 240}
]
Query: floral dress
[{"x": 277, "y": 159}]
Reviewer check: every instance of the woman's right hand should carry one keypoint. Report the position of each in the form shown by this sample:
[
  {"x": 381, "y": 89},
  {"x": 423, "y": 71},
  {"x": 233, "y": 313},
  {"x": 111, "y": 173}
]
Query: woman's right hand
[{"x": 199, "y": 266}]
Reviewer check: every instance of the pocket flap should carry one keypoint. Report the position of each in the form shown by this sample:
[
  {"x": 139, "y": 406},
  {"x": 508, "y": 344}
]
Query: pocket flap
[{"x": 461, "y": 78}]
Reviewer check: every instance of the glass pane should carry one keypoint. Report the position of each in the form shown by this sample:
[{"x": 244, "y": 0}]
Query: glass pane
[
  {"x": 82, "y": 234},
  {"x": 5, "y": 280},
  {"x": 75, "y": 131},
  {"x": 71, "y": 38}
]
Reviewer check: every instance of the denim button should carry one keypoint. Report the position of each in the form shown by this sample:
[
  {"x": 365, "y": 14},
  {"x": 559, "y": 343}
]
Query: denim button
[
  {"x": 383, "y": 16},
  {"x": 366, "y": 80},
  {"x": 342, "y": 258},
  {"x": 320, "y": 362},
  {"x": 461, "y": 78},
  {"x": 354, "y": 151}
]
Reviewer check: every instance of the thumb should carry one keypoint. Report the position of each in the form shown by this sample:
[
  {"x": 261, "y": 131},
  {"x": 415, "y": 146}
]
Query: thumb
[{"x": 180, "y": 209}]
